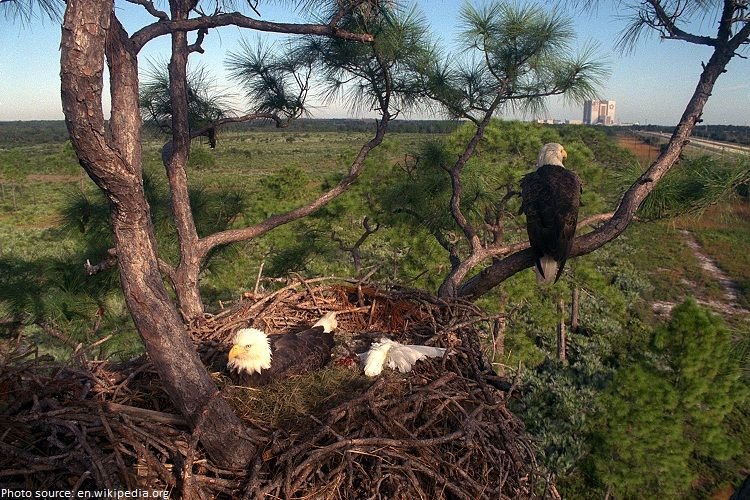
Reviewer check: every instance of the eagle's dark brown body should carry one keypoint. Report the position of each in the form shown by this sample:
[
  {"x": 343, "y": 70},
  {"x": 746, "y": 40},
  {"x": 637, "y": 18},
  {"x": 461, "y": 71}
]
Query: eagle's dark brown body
[
  {"x": 551, "y": 196},
  {"x": 293, "y": 353}
]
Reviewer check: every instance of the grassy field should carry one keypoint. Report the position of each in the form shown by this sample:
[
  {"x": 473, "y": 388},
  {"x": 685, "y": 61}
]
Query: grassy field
[
  {"x": 38, "y": 181},
  {"x": 722, "y": 230},
  {"x": 52, "y": 219},
  {"x": 724, "y": 233}
]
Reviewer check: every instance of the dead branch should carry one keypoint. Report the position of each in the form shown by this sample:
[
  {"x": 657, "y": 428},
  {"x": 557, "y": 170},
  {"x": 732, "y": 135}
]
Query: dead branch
[{"x": 354, "y": 249}]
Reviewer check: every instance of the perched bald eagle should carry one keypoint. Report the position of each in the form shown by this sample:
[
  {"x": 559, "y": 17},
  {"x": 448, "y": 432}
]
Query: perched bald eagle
[
  {"x": 257, "y": 359},
  {"x": 551, "y": 196},
  {"x": 396, "y": 356}
]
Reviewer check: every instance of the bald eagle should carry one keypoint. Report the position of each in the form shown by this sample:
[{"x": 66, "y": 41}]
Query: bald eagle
[
  {"x": 396, "y": 356},
  {"x": 551, "y": 196},
  {"x": 257, "y": 359}
]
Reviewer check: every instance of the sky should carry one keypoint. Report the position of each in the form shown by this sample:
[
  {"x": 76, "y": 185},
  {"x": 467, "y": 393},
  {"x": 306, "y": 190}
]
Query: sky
[{"x": 650, "y": 85}]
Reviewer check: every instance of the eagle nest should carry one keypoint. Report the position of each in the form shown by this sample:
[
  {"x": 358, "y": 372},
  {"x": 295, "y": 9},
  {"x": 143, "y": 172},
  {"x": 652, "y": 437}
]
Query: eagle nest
[{"x": 441, "y": 431}]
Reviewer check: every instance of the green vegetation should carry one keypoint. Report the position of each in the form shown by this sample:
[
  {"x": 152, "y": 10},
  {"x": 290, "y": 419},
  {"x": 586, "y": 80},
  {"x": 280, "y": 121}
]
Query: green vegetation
[
  {"x": 667, "y": 416},
  {"x": 640, "y": 407}
]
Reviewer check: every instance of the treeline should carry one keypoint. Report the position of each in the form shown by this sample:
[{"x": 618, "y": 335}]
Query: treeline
[
  {"x": 29, "y": 133},
  {"x": 355, "y": 125}
]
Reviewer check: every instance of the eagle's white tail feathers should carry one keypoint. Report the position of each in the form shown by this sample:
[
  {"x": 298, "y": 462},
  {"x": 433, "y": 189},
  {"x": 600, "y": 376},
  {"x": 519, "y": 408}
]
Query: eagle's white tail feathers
[
  {"x": 375, "y": 358},
  {"x": 550, "y": 267},
  {"x": 396, "y": 356},
  {"x": 328, "y": 322},
  {"x": 403, "y": 357}
]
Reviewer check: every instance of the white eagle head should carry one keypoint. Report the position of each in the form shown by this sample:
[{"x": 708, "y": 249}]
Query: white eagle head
[
  {"x": 251, "y": 351},
  {"x": 551, "y": 154}
]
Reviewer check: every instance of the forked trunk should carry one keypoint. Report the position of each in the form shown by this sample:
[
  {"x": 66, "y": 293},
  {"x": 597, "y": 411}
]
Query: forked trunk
[
  {"x": 112, "y": 159},
  {"x": 180, "y": 369}
]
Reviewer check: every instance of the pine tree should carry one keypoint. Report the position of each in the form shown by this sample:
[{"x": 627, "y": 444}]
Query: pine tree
[
  {"x": 664, "y": 417},
  {"x": 639, "y": 447},
  {"x": 697, "y": 349}
]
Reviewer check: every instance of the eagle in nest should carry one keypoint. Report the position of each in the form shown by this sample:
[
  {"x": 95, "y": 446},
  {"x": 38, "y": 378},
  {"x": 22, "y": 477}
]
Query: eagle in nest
[
  {"x": 550, "y": 198},
  {"x": 257, "y": 359}
]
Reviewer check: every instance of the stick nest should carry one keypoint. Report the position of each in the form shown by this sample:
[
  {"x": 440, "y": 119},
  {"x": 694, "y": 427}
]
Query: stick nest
[{"x": 441, "y": 431}]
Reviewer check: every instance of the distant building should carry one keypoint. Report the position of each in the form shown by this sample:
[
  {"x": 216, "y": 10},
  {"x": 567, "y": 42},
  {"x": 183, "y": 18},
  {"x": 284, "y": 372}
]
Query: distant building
[
  {"x": 599, "y": 112},
  {"x": 557, "y": 121}
]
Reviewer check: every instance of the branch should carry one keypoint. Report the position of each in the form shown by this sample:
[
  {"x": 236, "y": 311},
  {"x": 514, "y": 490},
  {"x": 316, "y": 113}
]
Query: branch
[
  {"x": 355, "y": 170},
  {"x": 198, "y": 45},
  {"x": 110, "y": 261},
  {"x": 235, "y": 235},
  {"x": 280, "y": 122},
  {"x": 493, "y": 219},
  {"x": 160, "y": 28},
  {"x": 442, "y": 239},
  {"x": 149, "y": 6},
  {"x": 455, "y": 174},
  {"x": 354, "y": 249},
  {"x": 675, "y": 33},
  {"x": 459, "y": 269}
]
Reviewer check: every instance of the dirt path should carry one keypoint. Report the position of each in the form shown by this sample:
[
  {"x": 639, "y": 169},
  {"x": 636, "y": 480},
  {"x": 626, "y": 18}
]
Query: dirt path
[{"x": 730, "y": 304}]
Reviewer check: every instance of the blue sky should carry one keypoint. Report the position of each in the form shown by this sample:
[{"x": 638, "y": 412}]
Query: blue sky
[{"x": 651, "y": 85}]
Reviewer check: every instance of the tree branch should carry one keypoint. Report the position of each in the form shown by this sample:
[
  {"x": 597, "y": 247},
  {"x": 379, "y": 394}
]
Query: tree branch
[
  {"x": 164, "y": 27},
  {"x": 455, "y": 174},
  {"x": 198, "y": 45},
  {"x": 110, "y": 261},
  {"x": 355, "y": 170},
  {"x": 186, "y": 273},
  {"x": 280, "y": 122},
  {"x": 676, "y": 33},
  {"x": 354, "y": 249},
  {"x": 235, "y": 235},
  {"x": 149, "y": 6},
  {"x": 636, "y": 194}
]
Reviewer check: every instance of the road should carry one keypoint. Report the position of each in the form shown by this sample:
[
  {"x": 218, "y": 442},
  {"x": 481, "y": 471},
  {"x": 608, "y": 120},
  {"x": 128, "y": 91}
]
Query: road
[{"x": 706, "y": 144}]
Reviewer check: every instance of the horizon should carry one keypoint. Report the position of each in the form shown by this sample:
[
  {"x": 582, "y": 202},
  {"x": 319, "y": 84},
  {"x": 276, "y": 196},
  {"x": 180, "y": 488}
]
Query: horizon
[
  {"x": 651, "y": 84},
  {"x": 699, "y": 127}
]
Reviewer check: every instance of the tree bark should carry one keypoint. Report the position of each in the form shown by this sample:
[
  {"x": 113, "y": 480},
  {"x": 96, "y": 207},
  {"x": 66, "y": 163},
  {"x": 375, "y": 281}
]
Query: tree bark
[
  {"x": 561, "y": 335},
  {"x": 187, "y": 272},
  {"x": 574, "y": 309},
  {"x": 113, "y": 161}
]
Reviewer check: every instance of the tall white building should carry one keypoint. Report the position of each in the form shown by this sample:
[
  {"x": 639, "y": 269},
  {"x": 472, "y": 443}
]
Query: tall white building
[{"x": 599, "y": 112}]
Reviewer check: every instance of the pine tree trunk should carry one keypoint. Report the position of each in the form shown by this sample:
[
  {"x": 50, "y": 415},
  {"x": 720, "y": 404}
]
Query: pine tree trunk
[
  {"x": 574, "y": 309},
  {"x": 111, "y": 155},
  {"x": 498, "y": 331},
  {"x": 561, "y": 337}
]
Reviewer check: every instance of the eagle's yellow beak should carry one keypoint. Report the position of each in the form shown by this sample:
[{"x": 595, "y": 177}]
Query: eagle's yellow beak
[
  {"x": 563, "y": 154},
  {"x": 234, "y": 352}
]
